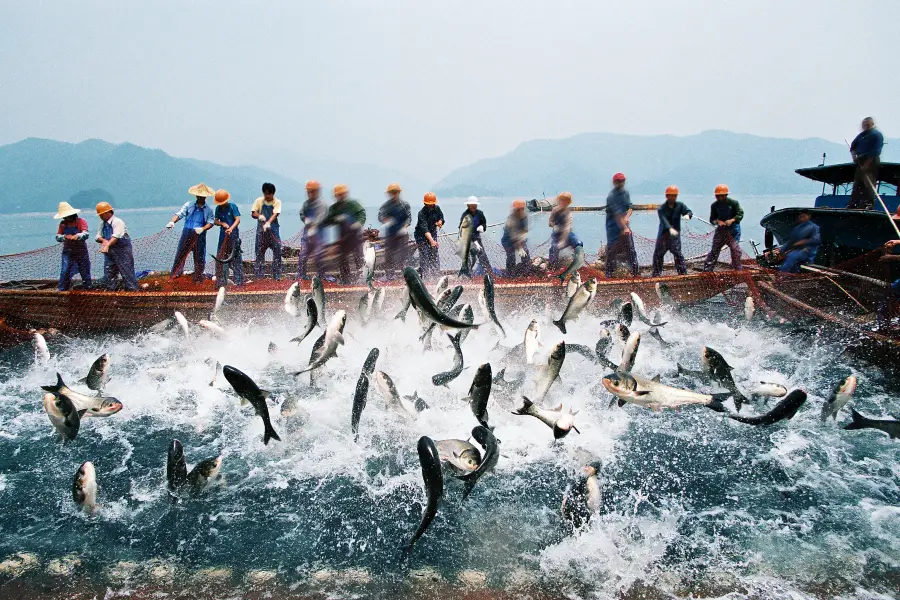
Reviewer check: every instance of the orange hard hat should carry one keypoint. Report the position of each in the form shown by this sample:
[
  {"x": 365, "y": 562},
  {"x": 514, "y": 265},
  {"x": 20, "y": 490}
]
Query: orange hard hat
[
  {"x": 312, "y": 184},
  {"x": 394, "y": 187},
  {"x": 222, "y": 197},
  {"x": 518, "y": 204},
  {"x": 565, "y": 196},
  {"x": 430, "y": 198},
  {"x": 341, "y": 189},
  {"x": 672, "y": 190},
  {"x": 721, "y": 189},
  {"x": 103, "y": 207}
]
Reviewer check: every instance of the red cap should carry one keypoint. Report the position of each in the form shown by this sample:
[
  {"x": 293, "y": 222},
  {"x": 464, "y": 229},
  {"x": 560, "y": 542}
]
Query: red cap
[{"x": 619, "y": 177}]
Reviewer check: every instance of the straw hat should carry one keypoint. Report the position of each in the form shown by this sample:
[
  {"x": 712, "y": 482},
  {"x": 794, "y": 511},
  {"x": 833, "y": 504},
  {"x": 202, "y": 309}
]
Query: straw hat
[
  {"x": 201, "y": 189},
  {"x": 65, "y": 210}
]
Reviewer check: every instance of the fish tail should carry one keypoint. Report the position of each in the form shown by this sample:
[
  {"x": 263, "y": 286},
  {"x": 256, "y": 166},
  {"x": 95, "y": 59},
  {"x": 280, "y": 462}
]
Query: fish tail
[
  {"x": 270, "y": 434},
  {"x": 561, "y": 325},
  {"x": 739, "y": 400},
  {"x": 526, "y": 406},
  {"x": 716, "y": 402},
  {"x": 55, "y": 388},
  {"x": 859, "y": 421}
]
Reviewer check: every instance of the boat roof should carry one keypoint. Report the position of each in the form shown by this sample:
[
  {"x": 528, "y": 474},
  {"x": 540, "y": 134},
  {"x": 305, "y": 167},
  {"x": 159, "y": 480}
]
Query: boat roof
[{"x": 843, "y": 173}]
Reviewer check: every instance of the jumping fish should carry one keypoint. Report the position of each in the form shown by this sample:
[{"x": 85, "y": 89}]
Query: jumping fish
[
  {"x": 41, "y": 352},
  {"x": 292, "y": 299},
  {"x": 573, "y": 284},
  {"x": 84, "y": 487},
  {"x": 489, "y": 301},
  {"x": 557, "y": 419},
  {"x": 98, "y": 375},
  {"x": 479, "y": 392},
  {"x": 430, "y": 460},
  {"x": 369, "y": 264},
  {"x": 422, "y": 300},
  {"x": 247, "y": 389},
  {"x": 841, "y": 394},
  {"x": 629, "y": 353},
  {"x": 448, "y": 376},
  {"x": 334, "y": 337},
  {"x": 464, "y": 245},
  {"x": 577, "y": 263},
  {"x": 532, "y": 341},
  {"x": 656, "y": 396},
  {"x": 176, "y": 466},
  {"x": 362, "y": 391},
  {"x": 888, "y": 426},
  {"x": 577, "y": 303},
  {"x": 785, "y": 409},
  {"x": 551, "y": 372},
  {"x": 182, "y": 322},
  {"x": 462, "y": 456},
  {"x": 312, "y": 319},
  {"x": 485, "y": 437},
  {"x": 318, "y": 294}
]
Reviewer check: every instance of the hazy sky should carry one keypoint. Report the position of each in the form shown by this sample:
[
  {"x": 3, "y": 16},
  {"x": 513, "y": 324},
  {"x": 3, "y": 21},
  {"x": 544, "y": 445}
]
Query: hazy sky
[{"x": 425, "y": 87}]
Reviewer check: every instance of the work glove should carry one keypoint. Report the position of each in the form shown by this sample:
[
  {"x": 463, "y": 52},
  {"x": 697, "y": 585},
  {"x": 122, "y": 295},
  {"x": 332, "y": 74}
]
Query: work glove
[
  {"x": 198, "y": 230},
  {"x": 673, "y": 232},
  {"x": 312, "y": 231},
  {"x": 520, "y": 255},
  {"x": 687, "y": 217},
  {"x": 480, "y": 229},
  {"x": 261, "y": 218},
  {"x": 402, "y": 231},
  {"x": 340, "y": 218},
  {"x": 267, "y": 226},
  {"x": 170, "y": 225}
]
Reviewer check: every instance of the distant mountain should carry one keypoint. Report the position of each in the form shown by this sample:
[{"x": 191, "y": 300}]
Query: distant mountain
[
  {"x": 584, "y": 164},
  {"x": 37, "y": 174}
]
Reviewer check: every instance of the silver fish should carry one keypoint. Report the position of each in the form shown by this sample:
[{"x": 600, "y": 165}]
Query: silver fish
[
  {"x": 318, "y": 294},
  {"x": 577, "y": 303},
  {"x": 551, "y": 372},
  {"x": 557, "y": 419},
  {"x": 182, "y": 322},
  {"x": 532, "y": 341},
  {"x": 654, "y": 395},
  {"x": 93, "y": 406},
  {"x": 841, "y": 394},
  {"x": 464, "y": 245},
  {"x": 98, "y": 375},
  {"x": 41, "y": 352},
  {"x": 749, "y": 308},
  {"x": 462, "y": 456},
  {"x": 334, "y": 337},
  {"x": 220, "y": 300},
  {"x": 448, "y": 376},
  {"x": 312, "y": 319},
  {"x": 369, "y": 263},
  {"x": 573, "y": 284},
  {"x": 204, "y": 473},
  {"x": 84, "y": 487},
  {"x": 577, "y": 263},
  {"x": 629, "y": 353},
  {"x": 292, "y": 299}
]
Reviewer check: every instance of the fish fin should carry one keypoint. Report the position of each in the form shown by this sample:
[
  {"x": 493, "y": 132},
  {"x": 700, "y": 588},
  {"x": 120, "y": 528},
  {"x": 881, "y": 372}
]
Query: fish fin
[
  {"x": 859, "y": 421},
  {"x": 642, "y": 393},
  {"x": 557, "y": 408},
  {"x": 621, "y": 402},
  {"x": 716, "y": 403},
  {"x": 340, "y": 340},
  {"x": 83, "y": 380},
  {"x": 561, "y": 326},
  {"x": 680, "y": 368},
  {"x": 576, "y": 430},
  {"x": 81, "y": 413},
  {"x": 655, "y": 378},
  {"x": 266, "y": 394}
]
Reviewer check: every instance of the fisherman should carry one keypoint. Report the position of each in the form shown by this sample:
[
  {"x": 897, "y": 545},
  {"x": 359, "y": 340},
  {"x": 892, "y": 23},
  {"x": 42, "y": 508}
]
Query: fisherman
[
  {"x": 668, "y": 239},
  {"x": 228, "y": 217},
  {"x": 479, "y": 223},
  {"x": 866, "y": 153},
  {"x": 396, "y": 216},
  {"x": 72, "y": 233},
  {"x": 726, "y": 214},
  {"x": 198, "y": 218},
  {"x": 429, "y": 220},
  {"x": 312, "y": 214},
  {"x": 115, "y": 245},
  {"x": 801, "y": 246},
  {"x": 266, "y": 209},
  {"x": 350, "y": 216},
  {"x": 619, "y": 240},
  {"x": 514, "y": 241},
  {"x": 562, "y": 236}
]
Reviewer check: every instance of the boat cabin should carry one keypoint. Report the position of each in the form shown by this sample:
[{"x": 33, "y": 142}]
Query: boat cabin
[{"x": 840, "y": 180}]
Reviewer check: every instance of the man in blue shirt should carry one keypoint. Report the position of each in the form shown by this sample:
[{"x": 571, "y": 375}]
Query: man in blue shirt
[
  {"x": 477, "y": 253},
  {"x": 429, "y": 220},
  {"x": 801, "y": 246},
  {"x": 228, "y": 218},
  {"x": 312, "y": 213},
  {"x": 619, "y": 241},
  {"x": 198, "y": 219},
  {"x": 396, "y": 215},
  {"x": 866, "y": 152},
  {"x": 668, "y": 239}
]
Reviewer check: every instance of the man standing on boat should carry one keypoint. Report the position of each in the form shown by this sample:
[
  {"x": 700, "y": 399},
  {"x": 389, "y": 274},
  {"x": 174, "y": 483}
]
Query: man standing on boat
[
  {"x": 349, "y": 216},
  {"x": 266, "y": 209},
  {"x": 726, "y": 214},
  {"x": 515, "y": 241},
  {"x": 312, "y": 214},
  {"x": 73, "y": 233},
  {"x": 115, "y": 245},
  {"x": 668, "y": 239},
  {"x": 198, "y": 219},
  {"x": 228, "y": 217},
  {"x": 396, "y": 216},
  {"x": 619, "y": 240},
  {"x": 429, "y": 220},
  {"x": 479, "y": 222},
  {"x": 562, "y": 236},
  {"x": 866, "y": 153}
]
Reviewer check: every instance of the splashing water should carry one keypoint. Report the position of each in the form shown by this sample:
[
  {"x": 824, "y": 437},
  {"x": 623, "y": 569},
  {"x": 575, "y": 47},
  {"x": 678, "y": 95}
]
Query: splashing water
[{"x": 692, "y": 502}]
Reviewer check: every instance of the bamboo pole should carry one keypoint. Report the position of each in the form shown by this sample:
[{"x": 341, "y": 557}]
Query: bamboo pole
[
  {"x": 877, "y": 195},
  {"x": 836, "y": 284}
]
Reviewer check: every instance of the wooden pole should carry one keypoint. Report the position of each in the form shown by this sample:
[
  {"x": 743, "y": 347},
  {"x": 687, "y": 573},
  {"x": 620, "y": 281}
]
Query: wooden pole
[{"x": 877, "y": 195}]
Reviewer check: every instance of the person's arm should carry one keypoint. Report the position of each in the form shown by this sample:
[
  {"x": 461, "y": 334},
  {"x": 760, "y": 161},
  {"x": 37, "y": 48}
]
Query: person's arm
[
  {"x": 276, "y": 211},
  {"x": 408, "y": 212},
  {"x": 687, "y": 211},
  {"x": 99, "y": 238},
  {"x": 209, "y": 221},
  {"x": 83, "y": 231},
  {"x": 738, "y": 212},
  {"x": 59, "y": 233},
  {"x": 178, "y": 216},
  {"x": 712, "y": 214},
  {"x": 255, "y": 209},
  {"x": 662, "y": 217},
  {"x": 359, "y": 214},
  {"x": 382, "y": 212},
  {"x": 854, "y": 143}
]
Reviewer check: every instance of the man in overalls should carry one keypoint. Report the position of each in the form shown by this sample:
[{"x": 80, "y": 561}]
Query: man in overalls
[
  {"x": 73, "y": 233},
  {"x": 726, "y": 214},
  {"x": 515, "y": 241},
  {"x": 266, "y": 209},
  {"x": 228, "y": 217},
  {"x": 198, "y": 219},
  {"x": 668, "y": 238},
  {"x": 561, "y": 234},
  {"x": 429, "y": 220},
  {"x": 396, "y": 216},
  {"x": 349, "y": 215},
  {"x": 312, "y": 214},
  {"x": 115, "y": 245},
  {"x": 619, "y": 239}
]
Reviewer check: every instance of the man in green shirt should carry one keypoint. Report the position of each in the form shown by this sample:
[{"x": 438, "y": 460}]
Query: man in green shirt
[
  {"x": 726, "y": 214},
  {"x": 349, "y": 216}
]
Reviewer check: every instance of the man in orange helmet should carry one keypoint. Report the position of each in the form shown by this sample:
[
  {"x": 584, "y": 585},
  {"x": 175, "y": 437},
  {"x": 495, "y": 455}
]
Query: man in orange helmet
[
  {"x": 726, "y": 214},
  {"x": 619, "y": 240},
  {"x": 396, "y": 216},
  {"x": 514, "y": 241},
  {"x": 115, "y": 245},
  {"x": 228, "y": 217},
  {"x": 668, "y": 239},
  {"x": 312, "y": 214},
  {"x": 430, "y": 219}
]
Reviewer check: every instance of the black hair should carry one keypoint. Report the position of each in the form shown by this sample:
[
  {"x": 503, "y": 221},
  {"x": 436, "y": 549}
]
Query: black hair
[{"x": 268, "y": 188}]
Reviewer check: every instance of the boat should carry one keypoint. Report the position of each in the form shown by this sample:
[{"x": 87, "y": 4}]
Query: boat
[{"x": 848, "y": 284}]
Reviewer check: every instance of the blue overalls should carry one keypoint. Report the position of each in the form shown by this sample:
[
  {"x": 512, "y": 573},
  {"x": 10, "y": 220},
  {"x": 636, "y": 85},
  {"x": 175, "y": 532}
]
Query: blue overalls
[
  {"x": 311, "y": 243},
  {"x": 725, "y": 236},
  {"x": 75, "y": 258},
  {"x": 226, "y": 214},
  {"x": 118, "y": 260},
  {"x": 266, "y": 240},
  {"x": 196, "y": 217}
]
